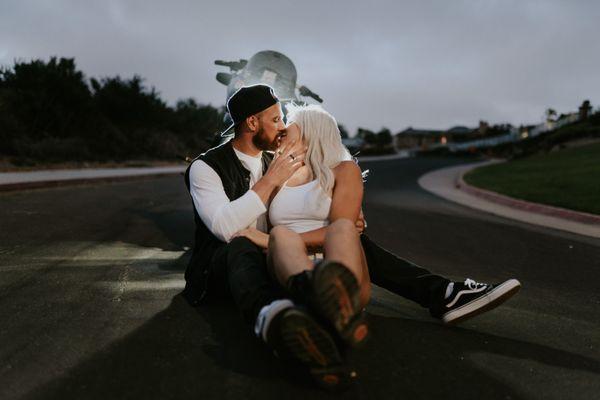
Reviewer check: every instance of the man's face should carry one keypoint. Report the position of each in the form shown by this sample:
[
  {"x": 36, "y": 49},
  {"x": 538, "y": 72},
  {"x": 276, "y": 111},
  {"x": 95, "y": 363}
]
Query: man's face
[
  {"x": 270, "y": 128},
  {"x": 291, "y": 134}
]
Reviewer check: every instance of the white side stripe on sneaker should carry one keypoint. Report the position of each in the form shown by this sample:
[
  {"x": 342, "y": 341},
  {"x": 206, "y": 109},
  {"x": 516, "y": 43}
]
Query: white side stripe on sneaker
[
  {"x": 493, "y": 298},
  {"x": 464, "y": 292}
]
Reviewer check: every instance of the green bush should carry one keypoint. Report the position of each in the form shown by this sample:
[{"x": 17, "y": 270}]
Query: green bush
[{"x": 50, "y": 112}]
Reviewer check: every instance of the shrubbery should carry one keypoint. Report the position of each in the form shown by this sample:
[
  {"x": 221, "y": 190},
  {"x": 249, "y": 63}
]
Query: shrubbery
[
  {"x": 547, "y": 141},
  {"x": 50, "y": 112}
]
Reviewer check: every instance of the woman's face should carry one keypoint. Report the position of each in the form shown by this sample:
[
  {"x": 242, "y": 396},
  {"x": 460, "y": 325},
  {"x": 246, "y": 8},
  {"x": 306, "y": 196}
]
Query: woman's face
[{"x": 292, "y": 133}]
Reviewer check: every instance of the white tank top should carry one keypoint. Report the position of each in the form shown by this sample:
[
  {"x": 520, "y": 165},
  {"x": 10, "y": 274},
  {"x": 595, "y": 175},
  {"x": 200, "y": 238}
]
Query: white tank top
[{"x": 300, "y": 208}]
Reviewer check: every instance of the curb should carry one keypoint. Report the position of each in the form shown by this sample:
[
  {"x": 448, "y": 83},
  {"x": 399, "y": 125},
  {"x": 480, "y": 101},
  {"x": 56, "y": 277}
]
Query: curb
[
  {"x": 524, "y": 205},
  {"x": 10, "y": 187},
  {"x": 386, "y": 157},
  {"x": 446, "y": 184},
  {"x": 69, "y": 181}
]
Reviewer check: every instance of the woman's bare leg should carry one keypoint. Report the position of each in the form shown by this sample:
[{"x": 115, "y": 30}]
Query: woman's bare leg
[
  {"x": 342, "y": 244},
  {"x": 287, "y": 254}
]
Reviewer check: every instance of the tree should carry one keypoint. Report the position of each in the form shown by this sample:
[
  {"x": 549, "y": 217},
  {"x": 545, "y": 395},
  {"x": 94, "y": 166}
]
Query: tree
[
  {"x": 343, "y": 131},
  {"x": 550, "y": 114},
  {"x": 48, "y": 99},
  {"x": 197, "y": 124},
  {"x": 128, "y": 103},
  {"x": 384, "y": 137},
  {"x": 368, "y": 136},
  {"x": 584, "y": 109},
  {"x": 49, "y": 111}
]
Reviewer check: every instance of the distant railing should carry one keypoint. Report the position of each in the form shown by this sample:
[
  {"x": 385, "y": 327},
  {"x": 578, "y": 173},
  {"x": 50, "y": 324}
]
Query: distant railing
[{"x": 514, "y": 135}]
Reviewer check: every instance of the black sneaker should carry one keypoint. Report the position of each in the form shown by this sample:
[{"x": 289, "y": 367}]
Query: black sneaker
[
  {"x": 295, "y": 334},
  {"x": 335, "y": 297},
  {"x": 470, "y": 298}
]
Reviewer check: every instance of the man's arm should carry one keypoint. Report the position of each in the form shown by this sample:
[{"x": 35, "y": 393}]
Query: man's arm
[
  {"x": 221, "y": 216},
  {"x": 315, "y": 239},
  {"x": 224, "y": 217}
]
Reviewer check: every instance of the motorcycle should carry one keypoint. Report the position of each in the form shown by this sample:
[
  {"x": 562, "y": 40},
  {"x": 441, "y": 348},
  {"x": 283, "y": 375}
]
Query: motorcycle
[{"x": 267, "y": 67}]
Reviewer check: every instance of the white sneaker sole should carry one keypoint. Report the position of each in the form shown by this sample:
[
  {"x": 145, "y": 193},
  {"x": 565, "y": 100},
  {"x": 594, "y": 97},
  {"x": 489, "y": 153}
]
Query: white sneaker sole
[{"x": 493, "y": 299}]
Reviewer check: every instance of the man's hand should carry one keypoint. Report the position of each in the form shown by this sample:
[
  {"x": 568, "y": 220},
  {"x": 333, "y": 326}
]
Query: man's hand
[
  {"x": 288, "y": 159},
  {"x": 361, "y": 223},
  {"x": 257, "y": 237}
]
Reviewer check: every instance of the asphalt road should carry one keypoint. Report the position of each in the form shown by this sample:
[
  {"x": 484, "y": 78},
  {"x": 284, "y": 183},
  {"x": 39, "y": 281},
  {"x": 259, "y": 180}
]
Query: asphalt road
[{"x": 89, "y": 305}]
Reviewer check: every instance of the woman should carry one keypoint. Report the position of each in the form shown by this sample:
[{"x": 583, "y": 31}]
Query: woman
[{"x": 313, "y": 215}]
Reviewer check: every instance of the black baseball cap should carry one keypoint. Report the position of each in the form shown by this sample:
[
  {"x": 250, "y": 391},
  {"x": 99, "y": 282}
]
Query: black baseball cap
[{"x": 247, "y": 101}]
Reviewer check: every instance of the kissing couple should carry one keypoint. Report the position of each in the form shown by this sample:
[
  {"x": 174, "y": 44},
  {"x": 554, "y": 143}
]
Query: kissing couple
[{"x": 280, "y": 230}]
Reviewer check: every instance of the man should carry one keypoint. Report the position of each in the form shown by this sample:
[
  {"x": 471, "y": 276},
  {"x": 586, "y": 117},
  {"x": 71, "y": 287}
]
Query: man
[{"x": 231, "y": 186}]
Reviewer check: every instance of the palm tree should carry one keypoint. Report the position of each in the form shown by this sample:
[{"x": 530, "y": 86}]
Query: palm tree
[
  {"x": 584, "y": 109},
  {"x": 550, "y": 113}
]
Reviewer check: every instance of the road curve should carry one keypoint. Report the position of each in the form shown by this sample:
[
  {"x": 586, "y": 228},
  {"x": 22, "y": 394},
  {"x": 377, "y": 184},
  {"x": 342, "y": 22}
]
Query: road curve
[{"x": 89, "y": 277}]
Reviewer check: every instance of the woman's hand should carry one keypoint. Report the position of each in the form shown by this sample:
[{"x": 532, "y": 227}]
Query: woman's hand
[{"x": 257, "y": 237}]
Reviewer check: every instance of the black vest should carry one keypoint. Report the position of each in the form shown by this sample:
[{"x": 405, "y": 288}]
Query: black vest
[{"x": 236, "y": 182}]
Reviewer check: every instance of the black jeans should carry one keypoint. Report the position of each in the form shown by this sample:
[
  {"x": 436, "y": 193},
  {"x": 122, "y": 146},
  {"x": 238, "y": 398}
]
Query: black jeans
[
  {"x": 239, "y": 270},
  {"x": 402, "y": 277}
]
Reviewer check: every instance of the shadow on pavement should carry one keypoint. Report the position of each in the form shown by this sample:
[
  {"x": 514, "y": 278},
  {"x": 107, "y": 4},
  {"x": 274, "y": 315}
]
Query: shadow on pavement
[
  {"x": 176, "y": 228},
  {"x": 209, "y": 353}
]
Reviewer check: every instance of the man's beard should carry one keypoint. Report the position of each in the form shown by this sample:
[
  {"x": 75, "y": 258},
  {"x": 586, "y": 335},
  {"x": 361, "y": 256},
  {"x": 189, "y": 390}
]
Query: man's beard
[{"x": 262, "y": 142}]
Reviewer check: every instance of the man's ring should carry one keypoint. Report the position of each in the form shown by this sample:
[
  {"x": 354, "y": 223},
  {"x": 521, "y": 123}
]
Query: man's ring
[
  {"x": 293, "y": 158},
  {"x": 279, "y": 152}
]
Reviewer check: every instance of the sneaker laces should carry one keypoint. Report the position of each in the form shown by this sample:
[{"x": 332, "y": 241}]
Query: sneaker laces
[{"x": 472, "y": 284}]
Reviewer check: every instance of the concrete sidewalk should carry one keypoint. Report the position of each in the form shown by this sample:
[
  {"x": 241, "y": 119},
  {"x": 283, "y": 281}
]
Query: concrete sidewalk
[
  {"x": 448, "y": 183},
  {"x": 58, "y": 177},
  {"x": 386, "y": 157},
  {"x": 10, "y": 181}
]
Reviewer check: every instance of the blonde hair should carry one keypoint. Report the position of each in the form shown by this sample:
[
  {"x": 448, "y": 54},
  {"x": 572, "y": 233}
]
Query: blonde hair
[{"x": 320, "y": 132}]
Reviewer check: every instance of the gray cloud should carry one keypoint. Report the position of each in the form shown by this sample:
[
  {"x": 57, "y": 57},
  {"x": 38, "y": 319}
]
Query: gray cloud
[{"x": 378, "y": 63}]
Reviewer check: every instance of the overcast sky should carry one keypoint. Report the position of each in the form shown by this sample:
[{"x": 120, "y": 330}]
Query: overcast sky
[{"x": 426, "y": 64}]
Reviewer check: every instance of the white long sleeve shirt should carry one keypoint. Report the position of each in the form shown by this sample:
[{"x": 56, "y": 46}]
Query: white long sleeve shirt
[{"x": 220, "y": 215}]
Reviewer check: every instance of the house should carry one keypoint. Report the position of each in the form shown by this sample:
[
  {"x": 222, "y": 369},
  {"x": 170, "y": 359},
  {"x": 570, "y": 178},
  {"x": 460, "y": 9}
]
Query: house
[
  {"x": 411, "y": 138},
  {"x": 418, "y": 138}
]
